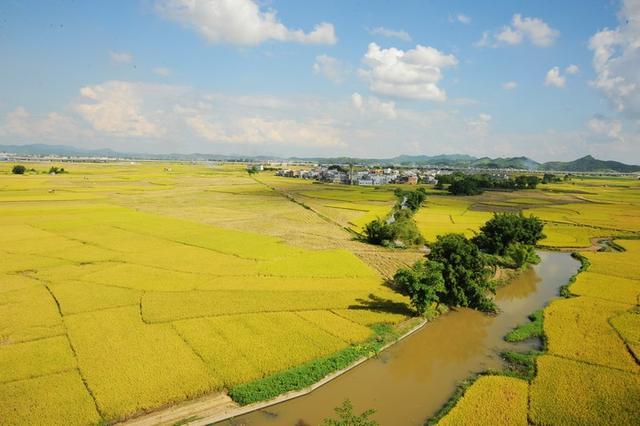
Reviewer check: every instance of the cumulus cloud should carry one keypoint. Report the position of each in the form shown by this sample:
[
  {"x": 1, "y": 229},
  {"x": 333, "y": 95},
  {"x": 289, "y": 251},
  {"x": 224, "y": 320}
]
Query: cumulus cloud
[
  {"x": 572, "y": 69},
  {"x": 116, "y": 108},
  {"x": 386, "y": 32},
  {"x": 239, "y": 22},
  {"x": 554, "y": 78},
  {"x": 412, "y": 74},
  {"x": 616, "y": 61},
  {"x": 374, "y": 106},
  {"x": 509, "y": 85},
  {"x": 120, "y": 57},
  {"x": 534, "y": 30},
  {"x": 331, "y": 68}
]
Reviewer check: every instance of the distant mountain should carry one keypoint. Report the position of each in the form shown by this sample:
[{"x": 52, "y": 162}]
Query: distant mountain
[
  {"x": 42, "y": 150},
  {"x": 584, "y": 164},
  {"x": 590, "y": 164},
  {"x": 506, "y": 163}
]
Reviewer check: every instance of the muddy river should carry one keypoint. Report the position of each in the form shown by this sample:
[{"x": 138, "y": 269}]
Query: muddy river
[{"x": 407, "y": 383}]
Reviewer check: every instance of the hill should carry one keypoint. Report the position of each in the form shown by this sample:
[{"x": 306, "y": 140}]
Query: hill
[{"x": 590, "y": 164}]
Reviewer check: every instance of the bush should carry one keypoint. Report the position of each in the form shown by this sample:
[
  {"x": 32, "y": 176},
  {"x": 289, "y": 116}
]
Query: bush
[
  {"x": 522, "y": 254},
  {"x": 18, "y": 169},
  {"x": 346, "y": 417}
]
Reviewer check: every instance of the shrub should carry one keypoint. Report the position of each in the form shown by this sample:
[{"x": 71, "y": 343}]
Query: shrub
[{"x": 18, "y": 169}]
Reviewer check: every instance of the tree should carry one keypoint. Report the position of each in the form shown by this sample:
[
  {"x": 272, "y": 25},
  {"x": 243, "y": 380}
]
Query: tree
[
  {"x": 379, "y": 232},
  {"x": 346, "y": 417},
  {"x": 532, "y": 182},
  {"x": 423, "y": 283},
  {"x": 522, "y": 254},
  {"x": 465, "y": 186},
  {"x": 18, "y": 169},
  {"x": 465, "y": 272},
  {"x": 507, "y": 228}
]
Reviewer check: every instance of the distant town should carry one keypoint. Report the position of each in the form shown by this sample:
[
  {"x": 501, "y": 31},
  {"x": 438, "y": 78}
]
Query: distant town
[{"x": 367, "y": 177}]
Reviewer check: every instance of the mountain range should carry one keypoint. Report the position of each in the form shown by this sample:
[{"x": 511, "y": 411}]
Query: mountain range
[{"x": 584, "y": 164}]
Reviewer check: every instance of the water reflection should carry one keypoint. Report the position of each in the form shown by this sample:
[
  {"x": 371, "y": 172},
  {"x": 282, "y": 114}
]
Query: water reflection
[{"x": 410, "y": 381}]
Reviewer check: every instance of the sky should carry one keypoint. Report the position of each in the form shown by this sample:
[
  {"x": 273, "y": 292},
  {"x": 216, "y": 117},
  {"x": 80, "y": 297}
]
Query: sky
[{"x": 551, "y": 80}]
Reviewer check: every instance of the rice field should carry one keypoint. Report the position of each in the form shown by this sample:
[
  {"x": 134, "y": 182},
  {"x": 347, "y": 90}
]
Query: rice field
[
  {"x": 491, "y": 400},
  {"x": 591, "y": 371},
  {"x": 149, "y": 283}
]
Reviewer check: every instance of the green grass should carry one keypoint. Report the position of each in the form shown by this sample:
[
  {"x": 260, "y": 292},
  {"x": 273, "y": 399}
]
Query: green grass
[{"x": 528, "y": 330}]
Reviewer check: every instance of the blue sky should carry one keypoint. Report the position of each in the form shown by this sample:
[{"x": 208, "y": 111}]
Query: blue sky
[{"x": 546, "y": 79}]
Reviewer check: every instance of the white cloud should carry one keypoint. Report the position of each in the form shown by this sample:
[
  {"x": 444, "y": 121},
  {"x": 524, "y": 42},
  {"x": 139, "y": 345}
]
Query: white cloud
[
  {"x": 509, "y": 85},
  {"x": 534, "y": 30},
  {"x": 239, "y": 22},
  {"x": 616, "y": 61},
  {"x": 52, "y": 126},
  {"x": 386, "y": 32},
  {"x": 259, "y": 131},
  {"x": 374, "y": 106},
  {"x": 412, "y": 74},
  {"x": 120, "y": 57},
  {"x": 331, "y": 68},
  {"x": 356, "y": 101},
  {"x": 572, "y": 69},
  {"x": 602, "y": 126},
  {"x": 463, "y": 19},
  {"x": 554, "y": 78},
  {"x": 162, "y": 71},
  {"x": 484, "y": 41},
  {"x": 116, "y": 108},
  {"x": 479, "y": 126}
]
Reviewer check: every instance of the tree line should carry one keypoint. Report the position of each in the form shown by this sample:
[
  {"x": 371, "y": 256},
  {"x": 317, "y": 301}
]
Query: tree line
[{"x": 464, "y": 184}]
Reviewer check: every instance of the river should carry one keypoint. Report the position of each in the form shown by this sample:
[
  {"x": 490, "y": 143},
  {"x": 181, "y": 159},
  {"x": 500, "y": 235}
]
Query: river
[{"x": 407, "y": 383}]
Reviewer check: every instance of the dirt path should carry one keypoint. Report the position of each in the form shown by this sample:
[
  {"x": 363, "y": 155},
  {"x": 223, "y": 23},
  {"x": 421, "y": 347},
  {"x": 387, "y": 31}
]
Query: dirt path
[{"x": 217, "y": 404}]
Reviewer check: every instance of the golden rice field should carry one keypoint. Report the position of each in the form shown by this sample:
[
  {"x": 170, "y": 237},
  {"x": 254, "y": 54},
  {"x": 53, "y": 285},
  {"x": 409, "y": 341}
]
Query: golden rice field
[
  {"x": 491, "y": 400},
  {"x": 147, "y": 284},
  {"x": 151, "y": 283},
  {"x": 591, "y": 371}
]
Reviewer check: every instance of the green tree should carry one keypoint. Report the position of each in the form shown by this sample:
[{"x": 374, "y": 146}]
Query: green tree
[
  {"x": 507, "y": 228},
  {"x": 522, "y": 254},
  {"x": 467, "y": 185},
  {"x": 346, "y": 417},
  {"x": 379, "y": 232},
  {"x": 18, "y": 169},
  {"x": 423, "y": 283},
  {"x": 465, "y": 272}
]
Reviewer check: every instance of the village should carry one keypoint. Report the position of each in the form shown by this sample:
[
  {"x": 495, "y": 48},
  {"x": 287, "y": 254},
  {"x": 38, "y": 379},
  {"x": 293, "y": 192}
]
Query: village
[{"x": 366, "y": 177}]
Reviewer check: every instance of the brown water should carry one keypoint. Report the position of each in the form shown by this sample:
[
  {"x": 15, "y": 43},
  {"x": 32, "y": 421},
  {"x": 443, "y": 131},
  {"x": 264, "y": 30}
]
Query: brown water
[{"x": 407, "y": 383}]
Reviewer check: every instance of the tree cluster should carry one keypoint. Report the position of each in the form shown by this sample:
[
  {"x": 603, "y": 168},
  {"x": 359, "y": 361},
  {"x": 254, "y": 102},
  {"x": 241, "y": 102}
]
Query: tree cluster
[
  {"x": 463, "y": 184},
  {"x": 400, "y": 228},
  {"x": 458, "y": 270}
]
